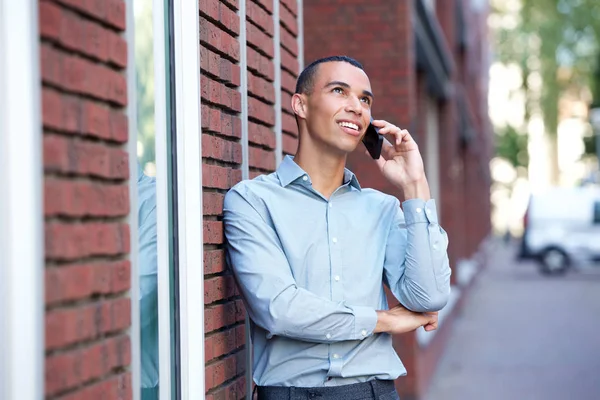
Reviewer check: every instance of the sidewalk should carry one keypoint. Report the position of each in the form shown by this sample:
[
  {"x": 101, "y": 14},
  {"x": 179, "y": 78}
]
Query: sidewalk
[{"x": 523, "y": 336}]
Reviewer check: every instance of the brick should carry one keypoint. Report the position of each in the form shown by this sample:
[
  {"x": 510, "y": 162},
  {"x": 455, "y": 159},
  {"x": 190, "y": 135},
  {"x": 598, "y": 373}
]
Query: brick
[
  {"x": 229, "y": 72},
  {"x": 210, "y": 62},
  {"x": 67, "y": 370},
  {"x": 214, "y": 261},
  {"x": 52, "y": 109},
  {"x": 261, "y": 135},
  {"x": 261, "y": 88},
  {"x": 49, "y": 20},
  {"x": 230, "y": 20},
  {"x": 219, "y": 372},
  {"x": 231, "y": 126},
  {"x": 288, "y": 82},
  {"x": 222, "y": 315},
  {"x": 291, "y": 6},
  {"x": 260, "y": 65},
  {"x": 212, "y": 203},
  {"x": 260, "y": 17},
  {"x": 259, "y": 40},
  {"x": 289, "y": 62},
  {"x": 70, "y": 241},
  {"x": 81, "y": 157},
  {"x": 213, "y": 232},
  {"x": 70, "y": 198},
  {"x": 114, "y": 387},
  {"x": 289, "y": 41},
  {"x": 219, "y": 288},
  {"x": 289, "y": 144},
  {"x": 218, "y": 40},
  {"x": 233, "y": 390},
  {"x": 80, "y": 281},
  {"x": 266, "y": 4},
  {"x": 68, "y": 326},
  {"x": 210, "y": 9},
  {"x": 224, "y": 342},
  {"x": 288, "y": 124},
  {"x": 117, "y": 49},
  {"x": 261, "y": 159},
  {"x": 288, "y": 20},
  {"x": 260, "y": 111},
  {"x": 116, "y": 13},
  {"x": 219, "y": 149},
  {"x": 51, "y": 65},
  {"x": 217, "y": 177}
]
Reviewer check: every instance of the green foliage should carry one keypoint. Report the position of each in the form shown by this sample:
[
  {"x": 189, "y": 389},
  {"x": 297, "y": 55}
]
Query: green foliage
[
  {"x": 144, "y": 57},
  {"x": 512, "y": 146}
]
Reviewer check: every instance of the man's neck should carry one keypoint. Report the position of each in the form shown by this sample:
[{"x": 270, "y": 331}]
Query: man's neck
[{"x": 326, "y": 171}]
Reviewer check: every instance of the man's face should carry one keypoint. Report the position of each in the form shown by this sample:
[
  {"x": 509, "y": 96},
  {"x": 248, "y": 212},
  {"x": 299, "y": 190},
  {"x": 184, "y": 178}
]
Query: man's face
[{"x": 338, "y": 109}]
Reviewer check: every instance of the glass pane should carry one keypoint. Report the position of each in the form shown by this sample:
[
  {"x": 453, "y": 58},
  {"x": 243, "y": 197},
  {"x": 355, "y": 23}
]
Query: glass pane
[{"x": 146, "y": 183}]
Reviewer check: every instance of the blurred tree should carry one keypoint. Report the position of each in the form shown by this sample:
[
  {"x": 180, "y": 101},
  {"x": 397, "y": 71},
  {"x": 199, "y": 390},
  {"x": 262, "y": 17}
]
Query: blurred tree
[
  {"x": 555, "y": 43},
  {"x": 512, "y": 146},
  {"x": 144, "y": 64}
]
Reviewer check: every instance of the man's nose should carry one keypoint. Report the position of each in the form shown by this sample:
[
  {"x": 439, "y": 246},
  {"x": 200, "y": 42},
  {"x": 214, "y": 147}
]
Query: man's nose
[{"x": 354, "y": 105}]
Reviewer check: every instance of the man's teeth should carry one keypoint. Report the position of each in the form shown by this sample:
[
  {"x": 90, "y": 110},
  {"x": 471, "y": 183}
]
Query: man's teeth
[{"x": 349, "y": 125}]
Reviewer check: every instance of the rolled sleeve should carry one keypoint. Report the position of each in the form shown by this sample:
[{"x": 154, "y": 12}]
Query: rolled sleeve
[{"x": 417, "y": 267}]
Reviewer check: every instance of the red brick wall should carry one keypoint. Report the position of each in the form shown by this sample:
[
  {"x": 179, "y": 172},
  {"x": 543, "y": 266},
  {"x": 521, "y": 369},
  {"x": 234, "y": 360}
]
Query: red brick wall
[
  {"x": 84, "y": 94},
  {"x": 222, "y": 156}
]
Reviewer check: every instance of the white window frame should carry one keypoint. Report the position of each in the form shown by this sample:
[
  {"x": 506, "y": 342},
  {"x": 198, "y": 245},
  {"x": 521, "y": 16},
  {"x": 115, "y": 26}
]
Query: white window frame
[
  {"x": 189, "y": 195},
  {"x": 189, "y": 199},
  {"x": 21, "y": 204}
]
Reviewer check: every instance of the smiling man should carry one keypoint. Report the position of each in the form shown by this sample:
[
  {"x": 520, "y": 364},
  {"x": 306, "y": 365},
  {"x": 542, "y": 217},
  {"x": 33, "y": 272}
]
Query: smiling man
[{"x": 311, "y": 250}]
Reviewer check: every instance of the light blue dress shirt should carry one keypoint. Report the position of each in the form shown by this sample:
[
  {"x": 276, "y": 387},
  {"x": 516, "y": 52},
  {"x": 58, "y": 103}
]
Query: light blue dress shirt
[
  {"x": 147, "y": 265},
  {"x": 312, "y": 274}
]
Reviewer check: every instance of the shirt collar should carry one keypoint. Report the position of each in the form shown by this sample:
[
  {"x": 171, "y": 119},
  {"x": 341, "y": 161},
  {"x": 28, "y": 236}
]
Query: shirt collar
[{"x": 288, "y": 171}]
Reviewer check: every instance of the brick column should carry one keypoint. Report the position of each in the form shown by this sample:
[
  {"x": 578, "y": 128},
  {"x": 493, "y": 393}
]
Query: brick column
[
  {"x": 223, "y": 149},
  {"x": 84, "y": 95}
]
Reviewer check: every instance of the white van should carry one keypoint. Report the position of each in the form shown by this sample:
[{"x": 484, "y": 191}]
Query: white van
[{"x": 562, "y": 228}]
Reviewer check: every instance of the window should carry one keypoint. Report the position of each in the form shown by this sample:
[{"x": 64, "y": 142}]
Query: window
[{"x": 597, "y": 212}]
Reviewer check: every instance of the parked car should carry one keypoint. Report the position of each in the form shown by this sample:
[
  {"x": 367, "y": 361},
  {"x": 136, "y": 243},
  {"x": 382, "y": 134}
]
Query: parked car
[{"x": 562, "y": 228}]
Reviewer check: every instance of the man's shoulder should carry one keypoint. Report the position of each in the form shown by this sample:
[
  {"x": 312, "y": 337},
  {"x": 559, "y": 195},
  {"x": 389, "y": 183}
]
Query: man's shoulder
[
  {"x": 256, "y": 188},
  {"x": 379, "y": 197}
]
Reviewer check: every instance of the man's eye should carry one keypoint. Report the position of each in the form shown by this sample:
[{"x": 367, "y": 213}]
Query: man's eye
[
  {"x": 366, "y": 100},
  {"x": 338, "y": 90}
]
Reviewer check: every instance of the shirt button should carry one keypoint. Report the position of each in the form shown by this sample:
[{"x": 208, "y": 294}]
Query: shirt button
[
  {"x": 328, "y": 336},
  {"x": 330, "y": 205},
  {"x": 336, "y": 355},
  {"x": 305, "y": 178},
  {"x": 363, "y": 332},
  {"x": 337, "y": 278},
  {"x": 334, "y": 240},
  {"x": 418, "y": 210}
]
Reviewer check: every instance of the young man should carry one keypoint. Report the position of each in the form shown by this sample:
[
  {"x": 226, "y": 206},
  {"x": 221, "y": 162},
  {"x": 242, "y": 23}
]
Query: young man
[{"x": 311, "y": 250}]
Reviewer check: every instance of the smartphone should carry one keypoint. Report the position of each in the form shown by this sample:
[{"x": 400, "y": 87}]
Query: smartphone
[{"x": 373, "y": 141}]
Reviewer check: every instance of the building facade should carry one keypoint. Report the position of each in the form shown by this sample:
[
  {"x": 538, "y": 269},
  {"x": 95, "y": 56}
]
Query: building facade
[{"x": 124, "y": 123}]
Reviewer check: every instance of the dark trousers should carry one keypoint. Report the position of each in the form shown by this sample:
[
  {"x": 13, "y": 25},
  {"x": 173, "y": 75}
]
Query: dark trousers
[{"x": 372, "y": 390}]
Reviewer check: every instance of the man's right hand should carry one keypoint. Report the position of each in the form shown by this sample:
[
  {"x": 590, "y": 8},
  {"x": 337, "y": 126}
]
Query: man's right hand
[{"x": 400, "y": 320}]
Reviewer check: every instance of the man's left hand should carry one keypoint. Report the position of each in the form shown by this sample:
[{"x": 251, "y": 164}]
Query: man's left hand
[{"x": 401, "y": 162}]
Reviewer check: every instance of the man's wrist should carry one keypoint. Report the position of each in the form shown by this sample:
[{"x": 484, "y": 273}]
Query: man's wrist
[
  {"x": 417, "y": 190},
  {"x": 382, "y": 322}
]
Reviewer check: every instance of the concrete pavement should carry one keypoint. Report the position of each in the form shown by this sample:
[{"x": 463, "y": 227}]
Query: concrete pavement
[{"x": 524, "y": 336}]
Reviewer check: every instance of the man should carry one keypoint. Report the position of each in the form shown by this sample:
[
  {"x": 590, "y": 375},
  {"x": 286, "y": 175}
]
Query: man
[
  {"x": 148, "y": 285},
  {"x": 311, "y": 250}
]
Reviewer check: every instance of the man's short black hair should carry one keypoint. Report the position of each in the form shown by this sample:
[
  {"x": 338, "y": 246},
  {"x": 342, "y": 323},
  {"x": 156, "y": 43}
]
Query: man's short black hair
[{"x": 306, "y": 79}]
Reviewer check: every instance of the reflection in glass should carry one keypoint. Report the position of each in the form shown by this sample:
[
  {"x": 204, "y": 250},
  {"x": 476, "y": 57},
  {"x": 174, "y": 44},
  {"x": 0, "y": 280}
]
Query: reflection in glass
[{"x": 146, "y": 183}]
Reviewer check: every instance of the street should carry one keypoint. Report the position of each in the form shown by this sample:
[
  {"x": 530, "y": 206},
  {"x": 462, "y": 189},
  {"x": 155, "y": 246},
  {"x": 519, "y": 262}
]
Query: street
[{"x": 522, "y": 335}]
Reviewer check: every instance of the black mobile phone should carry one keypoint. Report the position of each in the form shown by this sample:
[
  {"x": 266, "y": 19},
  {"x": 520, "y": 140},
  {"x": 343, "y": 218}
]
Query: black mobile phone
[{"x": 373, "y": 141}]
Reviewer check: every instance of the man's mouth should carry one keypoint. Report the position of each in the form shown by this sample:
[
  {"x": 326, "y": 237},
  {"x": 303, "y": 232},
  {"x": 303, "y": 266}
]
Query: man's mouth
[{"x": 348, "y": 125}]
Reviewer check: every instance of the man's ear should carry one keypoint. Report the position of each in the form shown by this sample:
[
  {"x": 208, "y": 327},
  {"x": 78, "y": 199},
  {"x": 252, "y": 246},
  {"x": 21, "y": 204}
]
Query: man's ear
[{"x": 299, "y": 105}]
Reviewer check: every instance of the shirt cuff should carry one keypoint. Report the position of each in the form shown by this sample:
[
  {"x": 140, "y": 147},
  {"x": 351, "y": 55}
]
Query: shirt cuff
[
  {"x": 418, "y": 210},
  {"x": 365, "y": 320}
]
